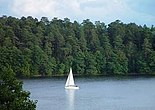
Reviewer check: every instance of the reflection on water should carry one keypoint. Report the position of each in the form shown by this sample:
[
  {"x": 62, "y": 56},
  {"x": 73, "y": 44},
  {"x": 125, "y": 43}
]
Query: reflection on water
[{"x": 70, "y": 94}]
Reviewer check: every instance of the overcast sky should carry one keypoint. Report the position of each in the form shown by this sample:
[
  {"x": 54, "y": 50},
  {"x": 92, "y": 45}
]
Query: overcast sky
[{"x": 138, "y": 11}]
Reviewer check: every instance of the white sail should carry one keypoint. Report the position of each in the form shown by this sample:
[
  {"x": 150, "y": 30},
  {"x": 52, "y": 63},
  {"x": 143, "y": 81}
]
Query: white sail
[{"x": 70, "y": 80}]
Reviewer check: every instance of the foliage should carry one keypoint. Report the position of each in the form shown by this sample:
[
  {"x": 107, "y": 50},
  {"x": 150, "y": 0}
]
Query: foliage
[
  {"x": 12, "y": 95},
  {"x": 45, "y": 48}
]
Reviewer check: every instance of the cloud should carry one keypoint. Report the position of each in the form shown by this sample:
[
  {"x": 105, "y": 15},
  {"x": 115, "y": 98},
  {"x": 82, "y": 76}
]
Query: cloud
[
  {"x": 50, "y": 8},
  {"x": 34, "y": 7},
  {"x": 103, "y": 10},
  {"x": 106, "y": 10},
  {"x": 62, "y": 8}
]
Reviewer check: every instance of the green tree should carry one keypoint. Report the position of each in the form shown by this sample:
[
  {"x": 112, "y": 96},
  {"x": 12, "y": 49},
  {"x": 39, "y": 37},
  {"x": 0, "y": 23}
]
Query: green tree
[
  {"x": 100, "y": 62},
  {"x": 152, "y": 62},
  {"x": 78, "y": 63},
  {"x": 143, "y": 62},
  {"x": 82, "y": 41},
  {"x": 90, "y": 64},
  {"x": 12, "y": 95},
  {"x": 131, "y": 54}
]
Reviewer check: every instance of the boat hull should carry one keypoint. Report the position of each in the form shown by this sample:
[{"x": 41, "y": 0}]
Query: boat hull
[{"x": 71, "y": 87}]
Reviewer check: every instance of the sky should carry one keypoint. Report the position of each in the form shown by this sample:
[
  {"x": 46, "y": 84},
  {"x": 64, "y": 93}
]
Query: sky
[{"x": 136, "y": 11}]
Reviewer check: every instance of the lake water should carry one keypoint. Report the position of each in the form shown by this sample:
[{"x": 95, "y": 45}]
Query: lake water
[{"x": 95, "y": 93}]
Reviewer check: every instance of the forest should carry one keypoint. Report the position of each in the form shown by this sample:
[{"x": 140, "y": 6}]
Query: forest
[{"x": 32, "y": 47}]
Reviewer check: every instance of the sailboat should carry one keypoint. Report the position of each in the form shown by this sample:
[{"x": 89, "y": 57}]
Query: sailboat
[{"x": 70, "y": 81}]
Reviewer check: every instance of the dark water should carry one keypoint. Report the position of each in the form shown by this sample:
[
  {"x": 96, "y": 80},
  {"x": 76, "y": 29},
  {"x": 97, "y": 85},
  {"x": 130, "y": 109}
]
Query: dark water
[{"x": 94, "y": 94}]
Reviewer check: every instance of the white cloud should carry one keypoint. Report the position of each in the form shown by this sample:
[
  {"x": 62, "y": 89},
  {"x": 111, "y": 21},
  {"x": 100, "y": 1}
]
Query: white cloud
[
  {"x": 49, "y": 8},
  {"x": 106, "y": 10},
  {"x": 103, "y": 10},
  {"x": 35, "y": 8}
]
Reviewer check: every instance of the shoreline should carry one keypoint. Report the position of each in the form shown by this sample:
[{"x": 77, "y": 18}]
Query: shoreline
[{"x": 80, "y": 76}]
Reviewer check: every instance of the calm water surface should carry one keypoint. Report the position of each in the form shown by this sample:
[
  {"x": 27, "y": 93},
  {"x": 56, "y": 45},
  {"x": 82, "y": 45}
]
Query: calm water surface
[{"x": 94, "y": 94}]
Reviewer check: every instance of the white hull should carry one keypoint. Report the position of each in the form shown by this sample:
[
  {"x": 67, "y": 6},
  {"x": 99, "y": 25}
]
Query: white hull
[{"x": 71, "y": 87}]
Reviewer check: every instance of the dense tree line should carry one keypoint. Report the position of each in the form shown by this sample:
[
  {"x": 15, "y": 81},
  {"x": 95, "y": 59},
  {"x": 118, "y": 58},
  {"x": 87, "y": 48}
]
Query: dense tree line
[{"x": 42, "y": 47}]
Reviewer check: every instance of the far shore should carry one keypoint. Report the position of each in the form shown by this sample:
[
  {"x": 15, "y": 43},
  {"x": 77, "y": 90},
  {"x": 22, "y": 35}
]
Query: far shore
[{"x": 92, "y": 75}]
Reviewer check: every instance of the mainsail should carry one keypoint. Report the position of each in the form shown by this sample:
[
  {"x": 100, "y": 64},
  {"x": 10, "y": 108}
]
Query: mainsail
[{"x": 70, "y": 79}]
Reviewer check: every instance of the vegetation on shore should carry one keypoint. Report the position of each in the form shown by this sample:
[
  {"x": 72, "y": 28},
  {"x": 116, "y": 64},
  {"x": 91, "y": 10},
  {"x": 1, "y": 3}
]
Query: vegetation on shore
[
  {"x": 12, "y": 95},
  {"x": 50, "y": 47}
]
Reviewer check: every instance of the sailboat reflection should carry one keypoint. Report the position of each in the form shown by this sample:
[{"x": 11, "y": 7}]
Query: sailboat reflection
[{"x": 70, "y": 98}]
